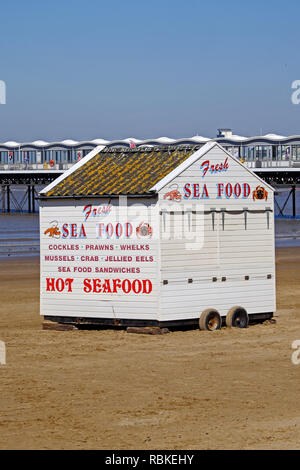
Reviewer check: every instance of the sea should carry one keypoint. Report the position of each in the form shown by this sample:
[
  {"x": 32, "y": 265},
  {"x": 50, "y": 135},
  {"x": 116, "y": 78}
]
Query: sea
[
  {"x": 19, "y": 235},
  {"x": 19, "y": 231}
]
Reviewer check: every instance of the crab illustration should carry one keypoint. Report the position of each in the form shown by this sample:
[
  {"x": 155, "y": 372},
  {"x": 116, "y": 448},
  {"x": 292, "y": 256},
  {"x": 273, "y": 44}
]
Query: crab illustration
[
  {"x": 144, "y": 230},
  {"x": 173, "y": 195},
  {"x": 53, "y": 232},
  {"x": 260, "y": 193}
]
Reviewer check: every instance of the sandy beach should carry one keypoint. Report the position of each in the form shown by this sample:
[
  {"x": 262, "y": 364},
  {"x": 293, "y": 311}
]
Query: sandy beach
[{"x": 229, "y": 389}]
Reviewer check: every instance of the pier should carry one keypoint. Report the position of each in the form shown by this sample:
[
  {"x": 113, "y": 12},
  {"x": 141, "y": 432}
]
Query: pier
[
  {"x": 28, "y": 180},
  {"x": 26, "y": 168}
]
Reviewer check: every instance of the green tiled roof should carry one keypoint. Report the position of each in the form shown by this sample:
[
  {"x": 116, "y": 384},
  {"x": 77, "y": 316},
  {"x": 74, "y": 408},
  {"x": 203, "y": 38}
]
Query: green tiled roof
[{"x": 114, "y": 173}]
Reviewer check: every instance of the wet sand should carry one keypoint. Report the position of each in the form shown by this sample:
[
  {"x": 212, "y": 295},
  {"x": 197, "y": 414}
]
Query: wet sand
[{"x": 230, "y": 389}]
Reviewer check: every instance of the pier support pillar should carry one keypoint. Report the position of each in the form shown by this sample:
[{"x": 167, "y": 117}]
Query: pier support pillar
[
  {"x": 29, "y": 197},
  {"x": 3, "y": 197},
  {"x": 8, "y": 198},
  {"x": 294, "y": 199},
  {"x": 32, "y": 198}
]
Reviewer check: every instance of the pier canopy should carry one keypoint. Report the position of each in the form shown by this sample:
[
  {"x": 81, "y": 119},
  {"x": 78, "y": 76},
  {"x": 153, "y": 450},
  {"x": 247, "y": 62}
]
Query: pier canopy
[{"x": 271, "y": 149}]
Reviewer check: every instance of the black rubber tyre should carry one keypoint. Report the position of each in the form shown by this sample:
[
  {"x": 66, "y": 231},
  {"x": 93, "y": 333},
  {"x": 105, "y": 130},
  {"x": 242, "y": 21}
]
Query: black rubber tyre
[
  {"x": 237, "y": 317},
  {"x": 210, "y": 320}
]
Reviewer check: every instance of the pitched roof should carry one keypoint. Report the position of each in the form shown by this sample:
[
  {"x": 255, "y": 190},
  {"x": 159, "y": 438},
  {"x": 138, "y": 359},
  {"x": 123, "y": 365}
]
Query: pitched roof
[{"x": 115, "y": 172}]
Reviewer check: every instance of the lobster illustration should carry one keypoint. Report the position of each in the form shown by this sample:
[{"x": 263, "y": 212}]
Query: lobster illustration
[
  {"x": 173, "y": 195},
  {"x": 53, "y": 232},
  {"x": 260, "y": 193}
]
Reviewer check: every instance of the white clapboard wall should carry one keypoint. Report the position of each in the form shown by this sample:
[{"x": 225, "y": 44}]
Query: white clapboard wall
[{"x": 210, "y": 272}]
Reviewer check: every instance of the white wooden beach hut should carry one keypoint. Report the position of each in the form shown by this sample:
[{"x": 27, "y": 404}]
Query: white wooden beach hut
[{"x": 158, "y": 236}]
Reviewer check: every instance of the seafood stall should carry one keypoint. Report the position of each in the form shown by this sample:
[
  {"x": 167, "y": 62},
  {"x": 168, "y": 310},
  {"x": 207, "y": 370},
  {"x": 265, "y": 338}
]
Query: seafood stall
[{"x": 158, "y": 237}]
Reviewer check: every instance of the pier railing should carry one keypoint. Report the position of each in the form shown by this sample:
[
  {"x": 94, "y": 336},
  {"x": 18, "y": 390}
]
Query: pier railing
[
  {"x": 65, "y": 166},
  {"x": 34, "y": 166}
]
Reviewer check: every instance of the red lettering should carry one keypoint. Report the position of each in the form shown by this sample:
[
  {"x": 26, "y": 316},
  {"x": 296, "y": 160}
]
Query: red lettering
[
  {"x": 187, "y": 191},
  {"x": 82, "y": 233},
  {"x": 73, "y": 230},
  {"x": 147, "y": 286},
  {"x": 87, "y": 285},
  {"x": 116, "y": 283},
  {"x": 228, "y": 190},
  {"x": 65, "y": 231},
  {"x": 109, "y": 230},
  {"x": 119, "y": 230},
  {"x": 96, "y": 285},
  {"x": 68, "y": 282},
  {"x": 204, "y": 166},
  {"x": 109, "y": 286},
  {"x": 87, "y": 211},
  {"x": 237, "y": 190},
  {"x": 129, "y": 229},
  {"x": 220, "y": 187},
  {"x": 137, "y": 286},
  {"x": 128, "y": 288},
  {"x": 60, "y": 285},
  {"x": 106, "y": 287},
  {"x": 204, "y": 194},
  {"x": 100, "y": 228},
  {"x": 246, "y": 190},
  {"x": 196, "y": 191},
  {"x": 50, "y": 284}
]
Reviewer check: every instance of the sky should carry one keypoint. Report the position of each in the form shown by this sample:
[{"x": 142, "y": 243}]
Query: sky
[{"x": 116, "y": 69}]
